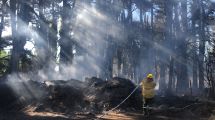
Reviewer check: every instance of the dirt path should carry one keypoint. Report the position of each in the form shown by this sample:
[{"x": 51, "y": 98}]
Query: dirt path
[
  {"x": 30, "y": 113},
  {"x": 161, "y": 115},
  {"x": 121, "y": 116},
  {"x": 86, "y": 116},
  {"x": 134, "y": 116}
]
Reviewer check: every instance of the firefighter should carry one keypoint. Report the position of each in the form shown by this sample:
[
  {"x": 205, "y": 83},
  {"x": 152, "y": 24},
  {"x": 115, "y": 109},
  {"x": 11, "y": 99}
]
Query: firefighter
[{"x": 148, "y": 92}]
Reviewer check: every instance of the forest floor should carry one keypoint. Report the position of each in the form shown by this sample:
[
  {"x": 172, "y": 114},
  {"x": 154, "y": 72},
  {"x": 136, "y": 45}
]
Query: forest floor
[
  {"x": 75, "y": 100},
  {"x": 203, "y": 110},
  {"x": 162, "y": 115}
]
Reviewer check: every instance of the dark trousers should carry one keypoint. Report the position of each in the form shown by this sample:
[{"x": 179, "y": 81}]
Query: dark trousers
[{"x": 147, "y": 102}]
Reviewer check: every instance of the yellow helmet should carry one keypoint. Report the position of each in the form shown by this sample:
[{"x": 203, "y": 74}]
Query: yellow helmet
[{"x": 150, "y": 76}]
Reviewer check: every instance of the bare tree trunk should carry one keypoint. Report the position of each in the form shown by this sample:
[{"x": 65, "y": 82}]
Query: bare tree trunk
[
  {"x": 14, "y": 61},
  {"x": 182, "y": 81},
  {"x": 195, "y": 68},
  {"x": 141, "y": 15},
  {"x": 22, "y": 26},
  {"x": 169, "y": 40},
  {"x": 129, "y": 17},
  {"x": 201, "y": 45},
  {"x": 2, "y": 17},
  {"x": 66, "y": 44},
  {"x": 19, "y": 39},
  {"x": 171, "y": 71},
  {"x": 194, "y": 50},
  {"x": 162, "y": 81},
  {"x": 152, "y": 56},
  {"x": 53, "y": 35},
  {"x": 41, "y": 43}
]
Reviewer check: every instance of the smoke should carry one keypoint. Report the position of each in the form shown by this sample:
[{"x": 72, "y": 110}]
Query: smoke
[
  {"x": 93, "y": 31},
  {"x": 23, "y": 88}
]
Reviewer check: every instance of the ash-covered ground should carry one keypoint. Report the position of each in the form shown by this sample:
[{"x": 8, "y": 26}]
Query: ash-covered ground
[{"x": 73, "y": 99}]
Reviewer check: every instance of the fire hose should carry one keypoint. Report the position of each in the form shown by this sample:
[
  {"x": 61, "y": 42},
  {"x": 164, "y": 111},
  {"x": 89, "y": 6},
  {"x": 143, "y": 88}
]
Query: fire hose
[{"x": 106, "y": 112}]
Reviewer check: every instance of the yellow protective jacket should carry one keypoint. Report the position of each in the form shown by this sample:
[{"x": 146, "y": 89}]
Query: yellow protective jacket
[{"x": 148, "y": 88}]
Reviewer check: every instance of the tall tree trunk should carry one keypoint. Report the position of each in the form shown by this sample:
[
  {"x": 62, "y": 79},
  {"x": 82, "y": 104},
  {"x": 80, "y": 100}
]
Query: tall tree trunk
[
  {"x": 66, "y": 44},
  {"x": 169, "y": 40},
  {"x": 182, "y": 81},
  {"x": 2, "y": 17},
  {"x": 129, "y": 17},
  {"x": 22, "y": 26},
  {"x": 41, "y": 43},
  {"x": 141, "y": 15},
  {"x": 19, "y": 38},
  {"x": 162, "y": 81},
  {"x": 14, "y": 61},
  {"x": 151, "y": 55},
  {"x": 53, "y": 35},
  {"x": 194, "y": 50},
  {"x": 171, "y": 75},
  {"x": 201, "y": 45}
]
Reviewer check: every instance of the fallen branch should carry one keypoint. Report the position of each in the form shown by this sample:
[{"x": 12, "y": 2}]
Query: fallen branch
[{"x": 190, "y": 106}]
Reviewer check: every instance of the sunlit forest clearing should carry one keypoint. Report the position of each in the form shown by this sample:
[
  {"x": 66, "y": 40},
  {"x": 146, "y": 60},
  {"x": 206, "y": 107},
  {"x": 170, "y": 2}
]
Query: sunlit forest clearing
[{"x": 92, "y": 59}]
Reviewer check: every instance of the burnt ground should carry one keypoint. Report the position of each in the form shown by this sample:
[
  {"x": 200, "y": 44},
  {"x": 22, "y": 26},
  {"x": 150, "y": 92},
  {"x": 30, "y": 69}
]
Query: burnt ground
[
  {"x": 75, "y": 100},
  {"x": 201, "y": 111}
]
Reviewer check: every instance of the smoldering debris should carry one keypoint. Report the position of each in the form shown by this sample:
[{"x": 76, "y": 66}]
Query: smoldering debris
[
  {"x": 63, "y": 96},
  {"x": 93, "y": 94},
  {"x": 108, "y": 94}
]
